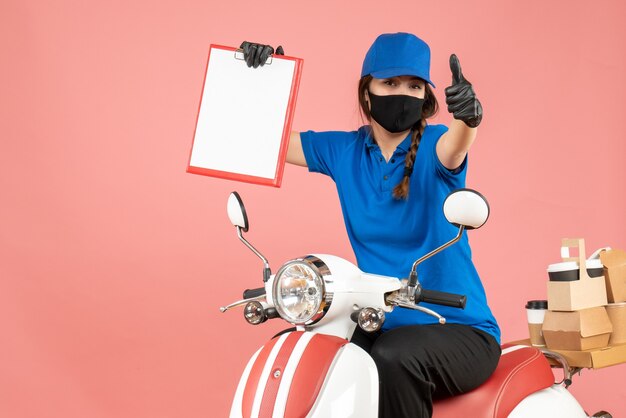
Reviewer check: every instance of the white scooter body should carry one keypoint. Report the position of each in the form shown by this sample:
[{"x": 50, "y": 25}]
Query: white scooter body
[
  {"x": 555, "y": 401},
  {"x": 350, "y": 386},
  {"x": 315, "y": 372}
]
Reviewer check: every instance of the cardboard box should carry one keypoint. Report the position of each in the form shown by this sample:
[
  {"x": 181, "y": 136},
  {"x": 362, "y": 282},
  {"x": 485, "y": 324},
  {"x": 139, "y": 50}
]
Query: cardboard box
[
  {"x": 614, "y": 262},
  {"x": 579, "y": 330},
  {"x": 579, "y": 294},
  {"x": 597, "y": 358},
  {"x": 591, "y": 359},
  {"x": 617, "y": 315}
]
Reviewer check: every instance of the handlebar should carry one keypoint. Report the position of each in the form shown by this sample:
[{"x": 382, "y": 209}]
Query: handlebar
[
  {"x": 442, "y": 298},
  {"x": 253, "y": 293}
]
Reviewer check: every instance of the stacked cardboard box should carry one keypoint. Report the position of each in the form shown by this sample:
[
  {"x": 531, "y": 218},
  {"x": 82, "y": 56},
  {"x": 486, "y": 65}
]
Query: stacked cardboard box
[
  {"x": 577, "y": 318},
  {"x": 614, "y": 262}
]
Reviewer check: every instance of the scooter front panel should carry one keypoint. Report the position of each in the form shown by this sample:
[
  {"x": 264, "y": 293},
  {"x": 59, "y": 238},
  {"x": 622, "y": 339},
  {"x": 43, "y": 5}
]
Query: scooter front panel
[
  {"x": 351, "y": 387},
  {"x": 235, "y": 410},
  {"x": 255, "y": 382},
  {"x": 286, "y": 376},
  {"x": 279, "y": 372},
  {"x": 309, "y": 375}
]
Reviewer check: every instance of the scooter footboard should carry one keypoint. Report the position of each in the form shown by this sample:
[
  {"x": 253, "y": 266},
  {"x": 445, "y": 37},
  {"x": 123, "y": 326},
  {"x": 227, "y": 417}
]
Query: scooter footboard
[{"x": 295, "y": 374}]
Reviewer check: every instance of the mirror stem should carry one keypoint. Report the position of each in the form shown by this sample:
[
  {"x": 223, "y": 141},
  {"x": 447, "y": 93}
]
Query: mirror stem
[
  {"x": 412, "y": 285},
  {"x": 266, "y": 265}
]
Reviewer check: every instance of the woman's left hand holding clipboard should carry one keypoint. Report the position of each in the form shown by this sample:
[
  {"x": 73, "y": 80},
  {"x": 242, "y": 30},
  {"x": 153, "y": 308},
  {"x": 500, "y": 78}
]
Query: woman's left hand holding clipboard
[{"x": 256, "y": 55}]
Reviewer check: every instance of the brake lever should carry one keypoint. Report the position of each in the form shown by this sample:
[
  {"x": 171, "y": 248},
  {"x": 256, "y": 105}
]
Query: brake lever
[
  {"x": 397, "y": 299},
  {"x": 241, "y": 302}
]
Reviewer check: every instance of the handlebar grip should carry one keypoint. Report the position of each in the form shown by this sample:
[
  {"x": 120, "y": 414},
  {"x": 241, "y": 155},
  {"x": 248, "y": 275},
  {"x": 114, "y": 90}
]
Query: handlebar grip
[
  {"x": 443, "y": 298},
  {"x": 253, "y": 293}
]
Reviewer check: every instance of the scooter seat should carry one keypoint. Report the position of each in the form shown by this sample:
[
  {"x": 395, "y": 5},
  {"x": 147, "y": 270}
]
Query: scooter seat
[{"x": 521, "y": 371}]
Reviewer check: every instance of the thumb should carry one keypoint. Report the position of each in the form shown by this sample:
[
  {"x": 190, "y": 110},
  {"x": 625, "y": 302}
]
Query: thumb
[{"x": 455, "y": 67}]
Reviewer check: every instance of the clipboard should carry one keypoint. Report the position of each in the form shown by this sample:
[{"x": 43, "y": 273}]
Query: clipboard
[{"x": 244, "y": 117}]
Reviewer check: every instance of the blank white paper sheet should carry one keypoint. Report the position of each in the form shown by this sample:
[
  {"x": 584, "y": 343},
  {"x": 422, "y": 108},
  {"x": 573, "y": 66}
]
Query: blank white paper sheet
[{"x": 244, "y": 121}]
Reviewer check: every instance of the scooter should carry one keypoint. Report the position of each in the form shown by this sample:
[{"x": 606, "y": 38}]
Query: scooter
[{"x": 315, "y": 371}]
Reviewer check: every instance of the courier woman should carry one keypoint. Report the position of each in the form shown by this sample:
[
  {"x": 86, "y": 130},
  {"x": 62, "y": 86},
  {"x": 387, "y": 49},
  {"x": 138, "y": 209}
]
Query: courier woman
[{"x": 392, "y": 176}]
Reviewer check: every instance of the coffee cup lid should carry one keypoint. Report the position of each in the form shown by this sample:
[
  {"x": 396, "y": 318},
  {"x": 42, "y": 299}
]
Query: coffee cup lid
[
  {"x": 537, "y": 304},
  {"x": 562, "y": 266},
  {"x": 592, "y": 263}
]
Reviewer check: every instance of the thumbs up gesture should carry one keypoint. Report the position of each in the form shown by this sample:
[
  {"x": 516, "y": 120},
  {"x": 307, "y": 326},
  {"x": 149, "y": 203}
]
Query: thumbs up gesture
[{"x": 460, "y": 97}]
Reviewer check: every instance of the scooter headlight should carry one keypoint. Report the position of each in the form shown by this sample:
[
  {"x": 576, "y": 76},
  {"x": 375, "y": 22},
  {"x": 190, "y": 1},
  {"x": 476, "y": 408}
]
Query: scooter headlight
[{"x": 299, "y": 291}]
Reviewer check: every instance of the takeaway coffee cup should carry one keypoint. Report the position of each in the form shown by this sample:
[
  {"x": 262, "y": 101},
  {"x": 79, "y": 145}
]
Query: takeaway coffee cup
[{"x": 536, "y": 311}]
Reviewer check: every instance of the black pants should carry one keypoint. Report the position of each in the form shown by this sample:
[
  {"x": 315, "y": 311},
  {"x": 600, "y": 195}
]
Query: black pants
[{"x": 420, "y": 363}]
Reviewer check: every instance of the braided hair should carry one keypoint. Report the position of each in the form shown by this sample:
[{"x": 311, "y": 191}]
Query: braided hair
[{"x": 429, "y": 109}]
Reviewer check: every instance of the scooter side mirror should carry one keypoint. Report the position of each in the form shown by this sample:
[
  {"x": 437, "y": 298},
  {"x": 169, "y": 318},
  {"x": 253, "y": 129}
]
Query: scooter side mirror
[
  {"x": 237, "y": 211},
  {"x": 239, "y": 218},
  {"x": 466, "y": 207},
  {"x": 463, "y": 208}
]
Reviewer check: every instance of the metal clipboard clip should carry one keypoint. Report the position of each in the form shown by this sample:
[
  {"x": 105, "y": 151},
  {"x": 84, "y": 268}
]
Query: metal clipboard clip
[{"x": 239, "y": 56}]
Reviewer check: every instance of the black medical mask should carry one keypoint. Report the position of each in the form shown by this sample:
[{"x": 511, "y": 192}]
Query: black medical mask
[{"x": 396, "y": 113}]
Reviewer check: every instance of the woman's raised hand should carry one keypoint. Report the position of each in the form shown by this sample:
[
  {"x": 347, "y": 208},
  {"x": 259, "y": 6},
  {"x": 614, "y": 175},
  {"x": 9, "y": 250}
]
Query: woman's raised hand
[
  {"x": 460, "y": 97},
  {"x": 256, "y": 55}
]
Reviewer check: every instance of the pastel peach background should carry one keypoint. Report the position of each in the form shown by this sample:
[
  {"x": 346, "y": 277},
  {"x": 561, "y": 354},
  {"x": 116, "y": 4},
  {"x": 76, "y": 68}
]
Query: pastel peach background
[{"x": 114, "y": 260}]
